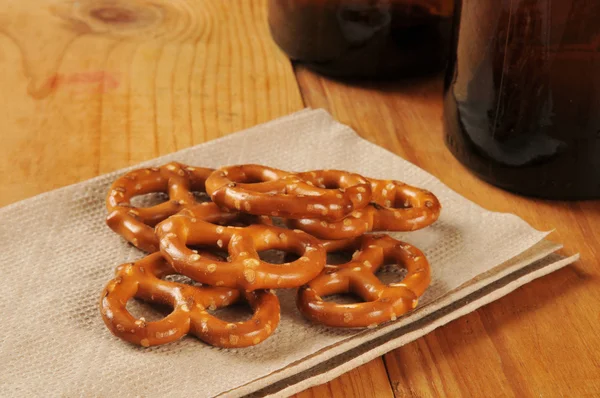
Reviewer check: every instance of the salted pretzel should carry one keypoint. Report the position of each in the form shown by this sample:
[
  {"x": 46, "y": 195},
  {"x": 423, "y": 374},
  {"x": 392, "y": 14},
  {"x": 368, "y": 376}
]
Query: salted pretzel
[
  {"x": 190, "y": 304},
  {"x": 264, "y": 190},
  {"x": 135, "y": 224},
  {"x": 382, "y": 303},
  {"x": 243, "y": 269},
  {"x": 394, "y": 206}
]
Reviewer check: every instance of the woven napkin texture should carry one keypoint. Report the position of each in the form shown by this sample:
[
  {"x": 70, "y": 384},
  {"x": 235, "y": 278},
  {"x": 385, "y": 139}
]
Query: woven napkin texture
[{"x": 58, "y": 255}]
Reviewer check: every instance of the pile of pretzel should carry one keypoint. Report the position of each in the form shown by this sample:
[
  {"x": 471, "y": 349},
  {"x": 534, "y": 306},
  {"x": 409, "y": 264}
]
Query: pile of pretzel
[{"x": 325, "y": 211}]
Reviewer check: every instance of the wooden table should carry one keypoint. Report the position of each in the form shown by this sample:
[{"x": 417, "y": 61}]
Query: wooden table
[{"x": 90, "y": 86}]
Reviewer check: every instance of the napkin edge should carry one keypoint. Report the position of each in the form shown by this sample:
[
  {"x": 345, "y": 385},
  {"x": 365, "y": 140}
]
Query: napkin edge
[{"x": 397, "y": 342}]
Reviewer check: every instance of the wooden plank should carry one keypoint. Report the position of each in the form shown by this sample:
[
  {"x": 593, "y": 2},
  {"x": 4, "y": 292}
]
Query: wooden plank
[
  {"x": 538, "y": 341},
  {"x": 91, "y": 86},
  {"x": 368, "y": 380}
]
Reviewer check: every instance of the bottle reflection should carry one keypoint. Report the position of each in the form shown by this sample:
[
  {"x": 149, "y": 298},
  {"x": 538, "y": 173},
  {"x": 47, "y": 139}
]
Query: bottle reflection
[{"x": 518, "y": 93}]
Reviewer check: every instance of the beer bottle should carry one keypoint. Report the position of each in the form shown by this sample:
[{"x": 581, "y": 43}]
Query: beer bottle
[{"x": 522, "y": 95}]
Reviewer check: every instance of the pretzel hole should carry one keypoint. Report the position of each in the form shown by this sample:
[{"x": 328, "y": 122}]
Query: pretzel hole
[
  {"x": 343, "y": 298},
  {"x": 391, "y": 273},
  {"x": 325, "y": 183},
  {"x": 275, "y": 256},
  {"x": 290, "y": 257},
  {"x": 237, "y": 312},
  {"x": 177, "y": 278},
  {"x": 216, "y": 253},
  {"x": 242, "y": 220},
  {"x": 151, "y": 312},
  {"x": 336, "y": 258},
  {"x": 331, "y": 184},
  {"x": 279, "y": 222},
  {"x": 253, "y": 177},
  {"x": 201, "y": 197},
  {"x": 149, "y": 199},
  {"x": 251, "y": 180}
]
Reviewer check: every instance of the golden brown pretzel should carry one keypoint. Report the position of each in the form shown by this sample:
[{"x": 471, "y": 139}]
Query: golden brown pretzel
[
  {"x": 244, "y": 269},
  {"x": 394, "y": 206},
  {"x": 136, "y": 225},
  {"x": 142, "y": 279},
  {"x": 264, "y": 190},
  {"x": 382, "y": 303}
]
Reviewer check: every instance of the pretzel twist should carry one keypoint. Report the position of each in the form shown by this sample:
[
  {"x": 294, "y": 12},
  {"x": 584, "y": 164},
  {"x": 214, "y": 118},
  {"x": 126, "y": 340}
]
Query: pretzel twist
[
  {"x": 243, "y": 269},
  {"x": 264, "y": 190},
  {"x": 136, "y": 225},
  {"x": 394, "y": 206},
  {"x": 142, "y": 279},
  {"x": 382, "y": 302}
]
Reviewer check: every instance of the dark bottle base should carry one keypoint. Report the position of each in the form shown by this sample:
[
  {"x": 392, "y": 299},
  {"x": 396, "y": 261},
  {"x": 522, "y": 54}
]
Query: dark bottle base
[
  {"x": 557, "y": 179},
  {"x": 361, "y": 39},
  {"x": 334, "y": 71},
  {"x": 424, "y": 55}
]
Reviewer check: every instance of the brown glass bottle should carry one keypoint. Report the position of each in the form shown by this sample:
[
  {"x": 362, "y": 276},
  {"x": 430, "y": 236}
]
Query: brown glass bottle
[
  {"x": 522, "y": 104},
  {"x": 364, "y": 38}
]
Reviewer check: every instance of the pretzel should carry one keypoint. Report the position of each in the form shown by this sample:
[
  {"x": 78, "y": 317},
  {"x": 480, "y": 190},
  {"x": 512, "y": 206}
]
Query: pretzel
[
  {"x": 136, "y": 225},
  {"x": 382, "y": 303},
  {"x": 395, "y": 206},
  {"x": 264, "y": 190},
  {"x": 142, "y": 279},
  {"x": 243, "y": 269}
]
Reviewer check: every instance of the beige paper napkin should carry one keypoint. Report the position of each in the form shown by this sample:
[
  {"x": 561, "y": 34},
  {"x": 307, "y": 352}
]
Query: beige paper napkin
[{"x": 58, "y": 254}]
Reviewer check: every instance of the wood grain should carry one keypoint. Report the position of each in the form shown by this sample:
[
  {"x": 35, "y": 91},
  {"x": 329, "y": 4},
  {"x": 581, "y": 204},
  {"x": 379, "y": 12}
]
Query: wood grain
[
  {"x": 90, "y": 86},
  {"x": 368, "y": 380},
  {"x": 94, "y": 85},
  {"x": 541, "y": 340}
]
